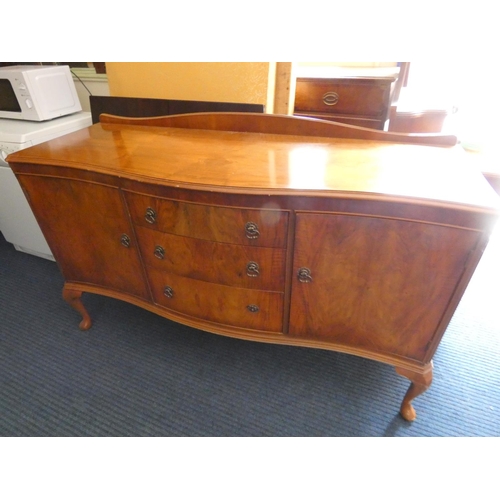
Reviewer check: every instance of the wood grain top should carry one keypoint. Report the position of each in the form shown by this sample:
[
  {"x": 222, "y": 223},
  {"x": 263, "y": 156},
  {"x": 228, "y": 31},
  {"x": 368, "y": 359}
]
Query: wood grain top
[{"x": 249, "y": 162}]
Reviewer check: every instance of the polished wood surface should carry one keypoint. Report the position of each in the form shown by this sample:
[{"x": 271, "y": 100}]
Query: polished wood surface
[
  {"x": 357, "y": 245},
  {"x": 279, "y": 124},
  {"x": 275, "y": 162}
]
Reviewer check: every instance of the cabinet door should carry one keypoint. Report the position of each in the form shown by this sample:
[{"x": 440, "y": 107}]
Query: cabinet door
[
  {"x": 88, "y": 231},
  {"x": 375, "y": 284}
]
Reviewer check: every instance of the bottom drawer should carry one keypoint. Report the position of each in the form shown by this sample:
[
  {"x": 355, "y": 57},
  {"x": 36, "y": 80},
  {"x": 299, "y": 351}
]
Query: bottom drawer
[{"x": 241, "y": 307}]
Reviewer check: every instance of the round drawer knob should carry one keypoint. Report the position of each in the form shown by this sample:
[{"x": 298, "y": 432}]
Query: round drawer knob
[
  {"x": 159, "y": 252},
  {"x": 168, "y": 292},
  {"x": 125, "y": 240},
  {"x": 150, "y": 215},
  {"x": 252, "y": 230},
  {"x": 253, "y": 269},
  {"x": 331, "y": 98},
  {"x": 304, "y": 275},
  {"x": 253, "y": 308}
]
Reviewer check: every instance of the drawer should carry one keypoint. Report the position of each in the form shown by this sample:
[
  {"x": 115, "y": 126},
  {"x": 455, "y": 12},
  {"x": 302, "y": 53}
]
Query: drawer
[
  {"x": 236, "y": 265},
  {"x": 377, "y": 124},
  {"x": 267, "y": 228},
  {"x": 232, "y": 306},
  {"x": 361, "y": 97}
]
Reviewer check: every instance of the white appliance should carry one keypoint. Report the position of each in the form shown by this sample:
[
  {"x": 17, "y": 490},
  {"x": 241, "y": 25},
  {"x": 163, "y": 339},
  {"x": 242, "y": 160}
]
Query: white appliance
[
  {"x": 17, "y": 222},
  {"x": 37, "y": 93}
]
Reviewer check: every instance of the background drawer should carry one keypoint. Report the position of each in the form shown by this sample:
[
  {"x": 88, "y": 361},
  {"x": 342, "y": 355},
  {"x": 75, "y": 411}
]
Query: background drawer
[
  {"x": 362, "y": 97},
  {"x": 347, "y": 119},
  {"x": 218, "y": 303},
  {"x": 221, "y": 263},
  {"x": 214, "y": 223}
]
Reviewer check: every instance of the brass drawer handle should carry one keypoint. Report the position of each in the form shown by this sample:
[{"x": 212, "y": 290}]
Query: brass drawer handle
[
  {"x": 253, "y": 269},
  {"x": 253, "y": 308},
  {"x": 304, "y": 275},
  {"x": 159, "y": 252},
  {"x": 150, "y": 215},
  {"x": 331, "y": 98},
  {"x": 125, "y": 240},
  {"x": 168, "y": 292},
  {"x": 252, "y": 230}
]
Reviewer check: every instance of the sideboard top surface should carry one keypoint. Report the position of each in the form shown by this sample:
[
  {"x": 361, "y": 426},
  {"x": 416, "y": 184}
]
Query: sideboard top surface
[{"x": 260, "y": 163}]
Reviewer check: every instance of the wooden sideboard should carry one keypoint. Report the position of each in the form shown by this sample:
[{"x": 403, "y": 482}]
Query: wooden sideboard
[
  {"x": 267, "y": 228},
  {"x": 360, "y": 101}
]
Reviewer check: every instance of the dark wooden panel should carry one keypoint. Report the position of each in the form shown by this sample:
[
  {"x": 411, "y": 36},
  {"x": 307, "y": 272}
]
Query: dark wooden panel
[{"x": 139, "y": 107}]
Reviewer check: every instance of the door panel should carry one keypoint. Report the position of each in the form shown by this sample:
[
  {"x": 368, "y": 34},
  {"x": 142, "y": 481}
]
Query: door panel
[
  {"x": 84, "y": 223},
  {"x": 377, "y": 284}
]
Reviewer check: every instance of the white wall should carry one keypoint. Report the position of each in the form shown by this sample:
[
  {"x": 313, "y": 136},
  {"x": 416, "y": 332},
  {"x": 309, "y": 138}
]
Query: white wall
[{"x": 96, "y": 84}]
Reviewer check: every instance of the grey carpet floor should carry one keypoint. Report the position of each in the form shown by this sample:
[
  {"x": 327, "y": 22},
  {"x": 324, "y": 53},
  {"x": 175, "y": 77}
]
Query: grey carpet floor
[{"x": 136, "y": 374}]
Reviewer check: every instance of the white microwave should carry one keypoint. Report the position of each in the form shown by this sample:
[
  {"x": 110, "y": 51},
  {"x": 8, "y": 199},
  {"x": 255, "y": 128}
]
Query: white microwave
[{"x": 37, "y": 93}]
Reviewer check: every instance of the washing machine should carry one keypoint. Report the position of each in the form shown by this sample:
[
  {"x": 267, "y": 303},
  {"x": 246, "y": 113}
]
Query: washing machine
[{"x": 17, "y": 222}]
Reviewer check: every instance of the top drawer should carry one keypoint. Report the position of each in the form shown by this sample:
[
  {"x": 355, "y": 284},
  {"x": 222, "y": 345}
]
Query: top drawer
[
  {"x": 367, "y": 97},
  {"x": 266, "y": 228}
]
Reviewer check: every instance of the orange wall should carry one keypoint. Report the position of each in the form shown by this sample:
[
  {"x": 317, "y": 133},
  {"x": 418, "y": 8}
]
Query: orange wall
[{"x": 248, "y": 82}]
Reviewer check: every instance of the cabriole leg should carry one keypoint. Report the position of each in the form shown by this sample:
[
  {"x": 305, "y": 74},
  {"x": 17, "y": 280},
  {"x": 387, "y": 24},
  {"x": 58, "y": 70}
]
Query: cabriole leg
[
  {"x": 73, "y": 298},
  {"x": 421, "y": 380}
]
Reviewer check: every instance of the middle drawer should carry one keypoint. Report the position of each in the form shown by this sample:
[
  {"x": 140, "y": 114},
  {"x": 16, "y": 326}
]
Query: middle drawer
[{"x": 226, "y": 264}]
